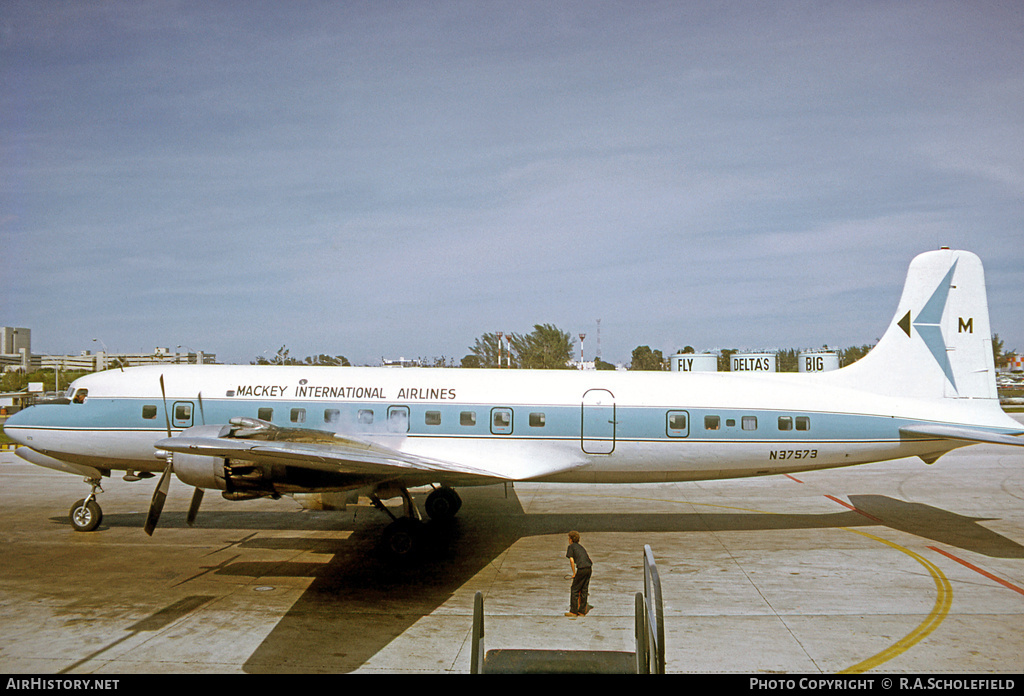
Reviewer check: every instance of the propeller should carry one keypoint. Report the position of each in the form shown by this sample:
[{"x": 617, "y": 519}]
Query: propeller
[{"x": 156, "y": 506}]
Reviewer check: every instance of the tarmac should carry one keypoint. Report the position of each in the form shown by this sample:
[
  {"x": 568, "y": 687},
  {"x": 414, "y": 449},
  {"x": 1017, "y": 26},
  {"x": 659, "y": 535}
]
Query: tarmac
[{"x": 889, "y": 568}]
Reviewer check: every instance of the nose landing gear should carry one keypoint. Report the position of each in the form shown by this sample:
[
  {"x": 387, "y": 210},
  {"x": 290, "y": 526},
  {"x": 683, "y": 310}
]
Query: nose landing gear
[{"x": 86, "y": 514}]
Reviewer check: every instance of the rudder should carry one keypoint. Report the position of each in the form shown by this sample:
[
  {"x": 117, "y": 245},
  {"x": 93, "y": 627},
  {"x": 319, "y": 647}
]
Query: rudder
[{"x": 939, "y": 343}]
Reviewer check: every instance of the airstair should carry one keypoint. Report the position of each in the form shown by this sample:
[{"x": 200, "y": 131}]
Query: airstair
[{"x": 649, "y": 633}]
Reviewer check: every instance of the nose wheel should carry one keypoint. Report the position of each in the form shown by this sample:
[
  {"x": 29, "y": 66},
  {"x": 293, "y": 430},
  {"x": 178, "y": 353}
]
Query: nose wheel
[{"x": 86, "y": 514}]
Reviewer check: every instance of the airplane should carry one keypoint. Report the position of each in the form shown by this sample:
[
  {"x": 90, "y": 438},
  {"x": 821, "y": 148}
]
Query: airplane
[{"x": 326, "y": 435}]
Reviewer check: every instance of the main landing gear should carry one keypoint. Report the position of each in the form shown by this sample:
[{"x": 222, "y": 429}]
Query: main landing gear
[
  {"x": 86, "y": 514},
  {"x": 403, "y": 539}
]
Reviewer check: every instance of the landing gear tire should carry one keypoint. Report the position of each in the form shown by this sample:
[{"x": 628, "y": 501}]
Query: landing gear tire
[
  {"x": 403, "y": 539},
  {"x": 85, "y": 515},
  {"x": 443, "y": 504}
]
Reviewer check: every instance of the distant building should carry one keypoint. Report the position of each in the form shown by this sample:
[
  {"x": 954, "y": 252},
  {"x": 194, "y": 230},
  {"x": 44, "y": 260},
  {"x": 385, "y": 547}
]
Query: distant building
[
  {"x": 16, "y": 354},
  {"x": 15, "y": 348},
  {"x": 400, "y": 362}
]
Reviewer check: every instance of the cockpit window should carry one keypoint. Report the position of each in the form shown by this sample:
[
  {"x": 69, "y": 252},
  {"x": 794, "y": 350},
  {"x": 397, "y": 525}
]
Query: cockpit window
[{"x": 80, "y": 396}]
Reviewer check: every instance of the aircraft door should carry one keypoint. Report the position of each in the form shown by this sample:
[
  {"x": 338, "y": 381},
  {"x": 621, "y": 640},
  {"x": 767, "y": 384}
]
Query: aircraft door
[{"x": 597, "y": 422}]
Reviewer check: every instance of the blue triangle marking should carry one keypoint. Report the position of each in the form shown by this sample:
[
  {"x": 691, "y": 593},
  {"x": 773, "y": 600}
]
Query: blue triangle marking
[{"x": 929, "y": 324}]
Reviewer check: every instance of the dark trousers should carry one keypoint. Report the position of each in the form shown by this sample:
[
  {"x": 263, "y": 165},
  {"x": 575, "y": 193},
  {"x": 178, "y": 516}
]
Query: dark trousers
[{"x": 579, "y": 591}]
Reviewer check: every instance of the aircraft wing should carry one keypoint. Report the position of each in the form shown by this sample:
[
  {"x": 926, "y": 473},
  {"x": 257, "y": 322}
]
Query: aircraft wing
[
  {"x": 957, "y": 432},
  {"x": 262, "y": 442}
]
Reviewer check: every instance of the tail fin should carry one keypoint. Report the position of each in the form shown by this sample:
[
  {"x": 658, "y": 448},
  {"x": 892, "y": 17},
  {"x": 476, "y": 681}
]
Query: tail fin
[{"x": 939, "y": 343}]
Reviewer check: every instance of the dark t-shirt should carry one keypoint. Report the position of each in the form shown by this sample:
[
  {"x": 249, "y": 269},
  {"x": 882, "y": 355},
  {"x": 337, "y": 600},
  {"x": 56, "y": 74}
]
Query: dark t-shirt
[{"x": 579, "y": 556}]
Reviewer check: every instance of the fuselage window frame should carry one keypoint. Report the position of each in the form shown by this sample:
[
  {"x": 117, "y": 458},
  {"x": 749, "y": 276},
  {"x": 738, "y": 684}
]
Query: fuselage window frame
[
  {"x": 677, "y": 423},
  {"x": 398, "y": 419}
]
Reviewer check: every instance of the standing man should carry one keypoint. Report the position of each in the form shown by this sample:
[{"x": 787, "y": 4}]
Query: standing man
[{"x": 581, "y": 565}]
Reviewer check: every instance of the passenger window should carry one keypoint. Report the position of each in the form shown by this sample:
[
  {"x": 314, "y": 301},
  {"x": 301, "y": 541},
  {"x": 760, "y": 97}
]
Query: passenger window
[
  {"x": 332, "y": 415},
  {"x": 537, "y": 420},
  {"x": 149, "y": 412},
  {"x": 712, "y": 422},
  {"x": 730, "y": 422},
  {"x": 266, "y": 414},
  {"x": 365, "y": 416},
  {"x": 785, "y": 423},
  {"x": 803, "y": 423},
  {"x": 433, "y": 418},
  {"x": 749, "y": 422},
  {"x": 298, "y": 415},
  {"x": 467, "y": 418}
]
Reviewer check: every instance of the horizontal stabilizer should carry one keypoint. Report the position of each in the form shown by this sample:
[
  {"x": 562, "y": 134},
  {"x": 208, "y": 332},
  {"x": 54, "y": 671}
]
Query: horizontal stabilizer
[{"x": 953, "y": 432}]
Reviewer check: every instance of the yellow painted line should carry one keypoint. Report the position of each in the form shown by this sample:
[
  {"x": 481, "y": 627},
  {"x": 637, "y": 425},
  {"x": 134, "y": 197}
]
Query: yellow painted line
[
  {"x": 943, "y": 601},
  {"x": 943, "y": 589}
]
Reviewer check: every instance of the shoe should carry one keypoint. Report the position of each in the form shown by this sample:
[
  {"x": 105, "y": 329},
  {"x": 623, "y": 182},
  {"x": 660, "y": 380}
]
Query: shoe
[{"x": 571, "y": 615}]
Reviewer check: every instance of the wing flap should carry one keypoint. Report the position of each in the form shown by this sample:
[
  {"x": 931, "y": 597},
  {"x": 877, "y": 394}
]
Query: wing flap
[{"x": 346, "y": 455}]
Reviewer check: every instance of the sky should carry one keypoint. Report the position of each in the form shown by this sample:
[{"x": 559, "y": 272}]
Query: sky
[{"x": 396, "y": 179}]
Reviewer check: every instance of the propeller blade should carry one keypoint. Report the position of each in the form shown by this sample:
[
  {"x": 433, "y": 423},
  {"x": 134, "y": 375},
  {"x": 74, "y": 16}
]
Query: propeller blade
[
  {"x": 159, "y": 496},
  {"x": 167, "y": 414},
  {"x": 202, "y": 414},
  {"x": 193, "y": 508}
]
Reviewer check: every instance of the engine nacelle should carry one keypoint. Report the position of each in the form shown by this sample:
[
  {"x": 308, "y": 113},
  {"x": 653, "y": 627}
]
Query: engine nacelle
[{"x": 201, "y": 470}]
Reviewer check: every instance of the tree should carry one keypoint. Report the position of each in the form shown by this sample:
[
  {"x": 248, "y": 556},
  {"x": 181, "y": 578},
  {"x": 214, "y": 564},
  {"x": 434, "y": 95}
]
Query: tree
[
  {"x": 546, "y": 348},
  {"x": 283, "y": 357},
  {"x": 853, "y": 354},
  {"x": 486, "y": 352},
  {"x": 787, "y": 360},
  {"x": 646, "y": 359},
  {"x": 725, "y": 359},
  {"x": 322, "y": 359}
]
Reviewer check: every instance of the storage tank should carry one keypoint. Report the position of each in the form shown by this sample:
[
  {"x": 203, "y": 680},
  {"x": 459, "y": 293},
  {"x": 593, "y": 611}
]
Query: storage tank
[
  {"x": 693, "y": 362},
  {"x": 752, "y": 362},
  {"x": 817, "y": 361}
]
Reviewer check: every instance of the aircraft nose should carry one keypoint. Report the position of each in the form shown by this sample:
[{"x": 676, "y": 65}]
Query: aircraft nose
[{"x": 16, "y": 426}]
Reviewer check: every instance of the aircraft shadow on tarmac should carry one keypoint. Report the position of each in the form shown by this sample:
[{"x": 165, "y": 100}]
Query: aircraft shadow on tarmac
[{"x": 357, "y": 602}]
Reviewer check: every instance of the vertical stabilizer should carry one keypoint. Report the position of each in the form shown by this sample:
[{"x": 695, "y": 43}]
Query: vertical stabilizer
[{"x": 939, "y": 343}]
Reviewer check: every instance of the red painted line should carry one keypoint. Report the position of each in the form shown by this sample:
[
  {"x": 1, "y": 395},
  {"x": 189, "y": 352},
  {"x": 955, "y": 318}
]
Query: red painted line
[
  {"x": 976, "y": 569},
  {"x": 793, "y": 477},
  {"x": 847, "y": 505}
]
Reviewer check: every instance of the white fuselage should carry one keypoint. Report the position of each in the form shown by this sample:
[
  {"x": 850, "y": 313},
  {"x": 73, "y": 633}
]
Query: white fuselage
[{"x": 572, "y": 426}]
